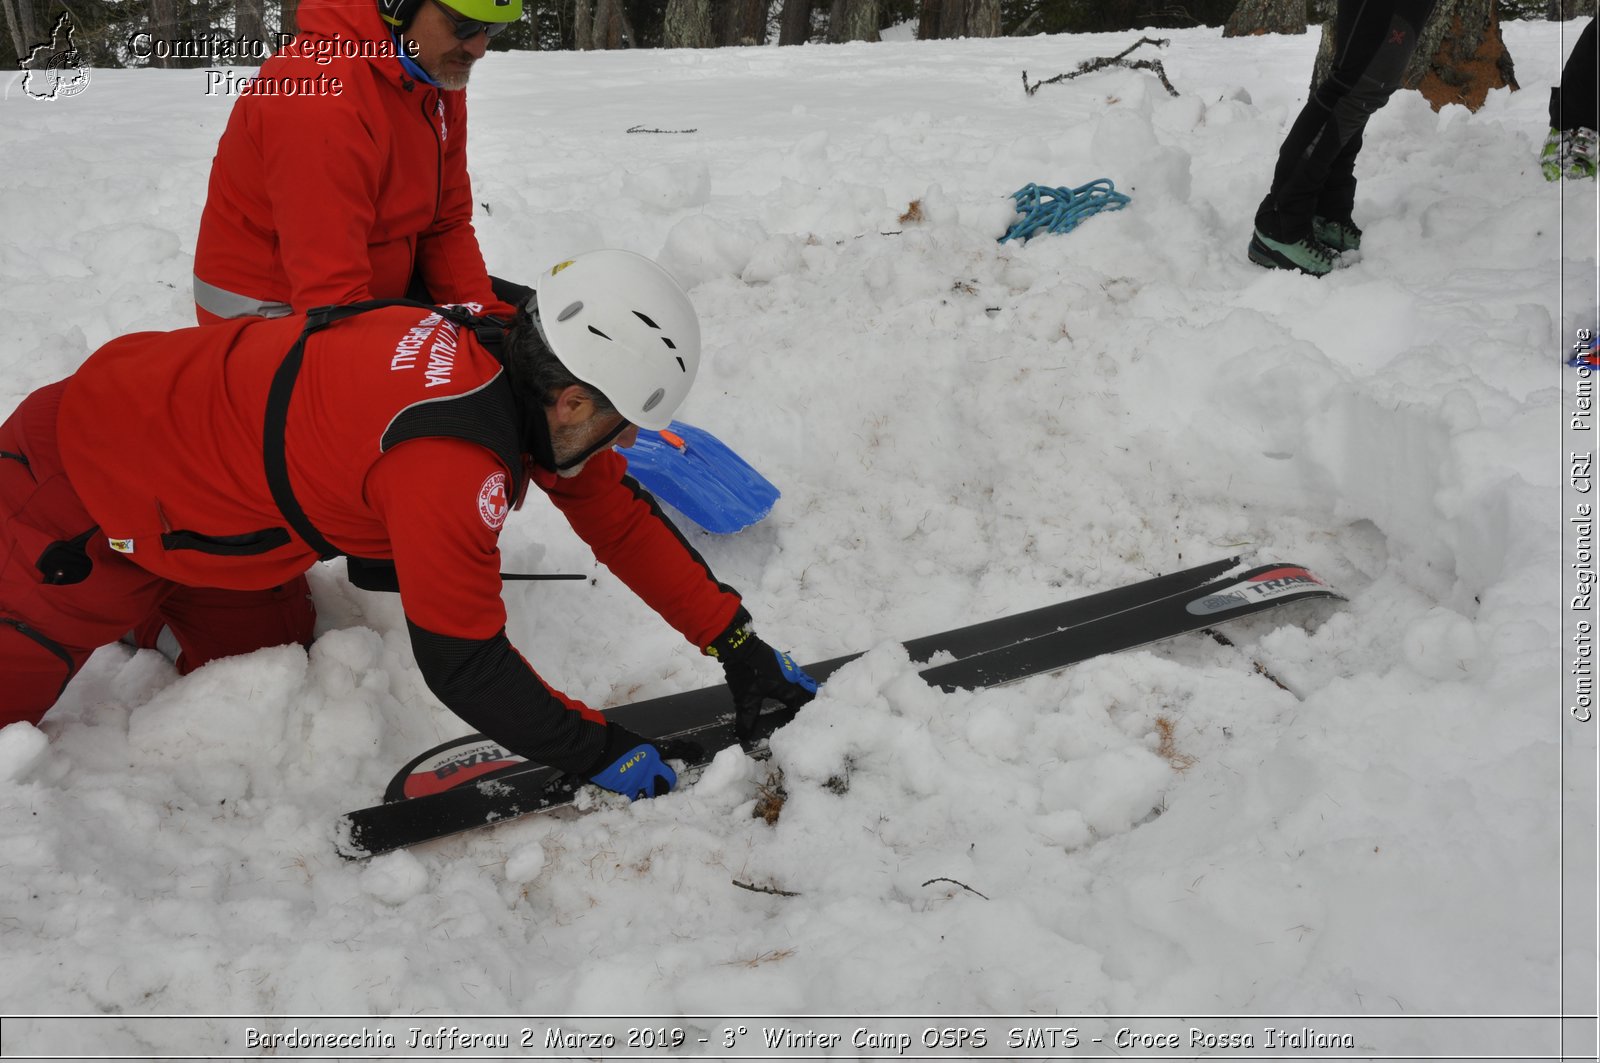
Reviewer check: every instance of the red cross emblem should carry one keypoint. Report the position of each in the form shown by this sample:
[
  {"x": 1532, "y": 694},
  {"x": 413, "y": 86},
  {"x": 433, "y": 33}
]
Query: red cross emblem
[{"x": 494, "y": 501}]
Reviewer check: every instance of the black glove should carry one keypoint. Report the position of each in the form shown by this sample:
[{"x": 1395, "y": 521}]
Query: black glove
[
  {"x": 637, "y": 767},
  {"x": 756, "y": 674}
]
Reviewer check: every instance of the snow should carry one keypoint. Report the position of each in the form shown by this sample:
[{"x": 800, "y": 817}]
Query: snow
[{"x": 961, "y": 429}]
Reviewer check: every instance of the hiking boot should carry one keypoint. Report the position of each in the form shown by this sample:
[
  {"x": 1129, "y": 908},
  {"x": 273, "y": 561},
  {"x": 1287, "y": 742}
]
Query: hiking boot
[
  {"x": 1570, "y": 153},
  {"x": 1585, "y": 153},
  {"x": 1339, "y": 235},
  {"x": 1308, "y": 255}
]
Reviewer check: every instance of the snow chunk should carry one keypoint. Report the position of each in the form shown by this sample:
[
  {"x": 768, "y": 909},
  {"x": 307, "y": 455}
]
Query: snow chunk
[
  {"x": 22, "y": 746},
  {"x": 1126, "y": 147},
  {"x": 525, "y": 864},
  {"x": 235, "y": 707},
  {"x": 395, "y": 878},
  {"x": 1112, "y": 791},
  {"x": 700, "y": 248}
]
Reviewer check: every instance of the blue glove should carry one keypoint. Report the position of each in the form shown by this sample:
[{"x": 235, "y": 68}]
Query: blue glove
[
  {"x": 637, "y": 767},
  {"x": 757, "y": 673}
]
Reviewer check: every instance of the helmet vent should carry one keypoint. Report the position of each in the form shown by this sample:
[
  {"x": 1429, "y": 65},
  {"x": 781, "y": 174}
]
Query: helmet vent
[
  {"x": 682, "y": 366},
  {"x": 597, "y": 332},
  {"x": 647, "y": 321},
  {"x": 655, "y": 399},
  {"x": 569, "y": 311},
  {"x": 670, "y": 345}
]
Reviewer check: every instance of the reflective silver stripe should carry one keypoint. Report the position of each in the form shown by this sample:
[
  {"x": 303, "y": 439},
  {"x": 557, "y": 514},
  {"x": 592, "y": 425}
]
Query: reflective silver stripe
[{"x": 223, "y": 303}]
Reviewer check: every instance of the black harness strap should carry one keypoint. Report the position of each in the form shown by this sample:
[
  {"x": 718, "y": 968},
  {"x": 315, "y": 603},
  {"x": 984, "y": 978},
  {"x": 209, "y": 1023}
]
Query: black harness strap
[{"x": 274, "y": 432}]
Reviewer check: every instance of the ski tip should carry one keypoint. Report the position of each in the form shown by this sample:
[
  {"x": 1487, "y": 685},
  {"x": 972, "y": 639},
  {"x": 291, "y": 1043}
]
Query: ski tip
[{"x": 1278, "y": 581}]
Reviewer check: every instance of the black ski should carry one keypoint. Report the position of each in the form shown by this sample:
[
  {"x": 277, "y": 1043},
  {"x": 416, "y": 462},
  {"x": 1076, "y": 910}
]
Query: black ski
[{"x": 472, "y": 781}]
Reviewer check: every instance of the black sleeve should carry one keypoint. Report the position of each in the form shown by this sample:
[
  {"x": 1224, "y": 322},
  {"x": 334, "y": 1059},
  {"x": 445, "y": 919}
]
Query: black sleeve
[{"x": 487, "y": 683}]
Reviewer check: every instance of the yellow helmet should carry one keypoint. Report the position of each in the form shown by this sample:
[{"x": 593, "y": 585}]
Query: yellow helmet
[{"x": 399, "y": 13}]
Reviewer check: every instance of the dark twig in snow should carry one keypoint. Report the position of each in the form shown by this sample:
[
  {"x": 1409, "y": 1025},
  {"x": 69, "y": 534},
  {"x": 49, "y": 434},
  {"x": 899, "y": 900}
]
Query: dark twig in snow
[
  {"x": 1089, "y": 66},
  {"x": 963, "y": 885},
  {"x": 753, "y": 888}
]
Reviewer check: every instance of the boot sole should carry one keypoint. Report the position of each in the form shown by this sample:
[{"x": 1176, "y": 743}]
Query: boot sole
[{"x": 1262, "y": 255}]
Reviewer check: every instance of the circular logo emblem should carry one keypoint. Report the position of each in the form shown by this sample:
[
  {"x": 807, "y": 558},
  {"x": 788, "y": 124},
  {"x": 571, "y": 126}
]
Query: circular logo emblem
[{"x": 494, "y": 501}]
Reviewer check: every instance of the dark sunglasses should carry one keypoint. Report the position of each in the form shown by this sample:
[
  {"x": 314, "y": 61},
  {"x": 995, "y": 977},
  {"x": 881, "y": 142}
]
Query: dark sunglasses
[{"x": 467, "y": 28}]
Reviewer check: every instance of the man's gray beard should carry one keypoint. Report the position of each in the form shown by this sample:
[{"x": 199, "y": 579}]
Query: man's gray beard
[
  {"x": 566, "y": 444},
  {"x": 453, "y": 83}
]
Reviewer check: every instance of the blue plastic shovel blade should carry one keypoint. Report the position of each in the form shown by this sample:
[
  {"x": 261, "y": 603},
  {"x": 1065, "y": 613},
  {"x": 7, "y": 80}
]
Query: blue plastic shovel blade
[{"x": 702, "y": 479}]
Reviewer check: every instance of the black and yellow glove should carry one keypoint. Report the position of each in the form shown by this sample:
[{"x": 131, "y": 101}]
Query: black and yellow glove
[{"x": 757, "y": 673}]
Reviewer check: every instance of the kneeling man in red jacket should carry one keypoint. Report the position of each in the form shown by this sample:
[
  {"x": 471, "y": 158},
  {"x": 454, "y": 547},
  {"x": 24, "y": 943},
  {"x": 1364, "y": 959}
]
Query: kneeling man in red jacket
[{"x": 175, "y": 470}]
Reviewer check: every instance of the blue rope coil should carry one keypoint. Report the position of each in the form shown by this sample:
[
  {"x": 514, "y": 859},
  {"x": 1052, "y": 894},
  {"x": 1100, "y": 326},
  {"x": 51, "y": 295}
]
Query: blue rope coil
[{"x": 1059, "y": 210}]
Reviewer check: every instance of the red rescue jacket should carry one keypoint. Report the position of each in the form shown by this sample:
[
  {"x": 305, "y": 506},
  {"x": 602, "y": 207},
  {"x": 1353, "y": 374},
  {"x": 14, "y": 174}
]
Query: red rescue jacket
[
  {"x": 319, "y": 198},
  {"x": 162, "y": 434}
]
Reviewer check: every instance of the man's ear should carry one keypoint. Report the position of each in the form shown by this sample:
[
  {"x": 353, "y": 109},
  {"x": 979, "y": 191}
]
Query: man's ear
[{"x": 573, "y": 405}]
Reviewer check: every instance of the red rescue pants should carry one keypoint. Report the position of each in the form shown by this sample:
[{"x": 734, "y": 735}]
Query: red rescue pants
[{"x": 64, "y": 592}]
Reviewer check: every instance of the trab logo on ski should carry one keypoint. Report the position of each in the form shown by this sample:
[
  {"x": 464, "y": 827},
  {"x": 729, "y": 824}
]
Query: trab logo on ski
[
  {"x": 1271, "y": 584},
  {"x": 453, "y": 764}
]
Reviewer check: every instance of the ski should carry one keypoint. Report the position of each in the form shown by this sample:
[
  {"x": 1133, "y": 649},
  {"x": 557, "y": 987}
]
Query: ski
[{"x": 473, "y": 781}]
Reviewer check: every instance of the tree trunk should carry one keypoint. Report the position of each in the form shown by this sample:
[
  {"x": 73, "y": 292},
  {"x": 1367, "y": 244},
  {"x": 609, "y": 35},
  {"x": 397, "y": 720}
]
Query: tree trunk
[
  {"x": 853, "y": 20},
  {"x": 687, "y": 24},
  {"x": 1322, "y": 66},
  {"x": 744, "y": 22},
  {"x": 1561, "y": 10},
  {"x": 606, "y": 32},
  {"x": 163, "y": 27},
  {"x": 22, "y": 45},
  {"x": 795, "y": 26},
  {"x": 289, "y": 17},
  {"x": 1266, "y": 16},
  {"x": 1459, "y": 55},
  {"x": 959, "y": 18},
  {"x": 983, "y": 18},
  {"x": 583, "y": 25},
  {"x": 249, "y": 20},
  {"x": 953, "y": 19}
]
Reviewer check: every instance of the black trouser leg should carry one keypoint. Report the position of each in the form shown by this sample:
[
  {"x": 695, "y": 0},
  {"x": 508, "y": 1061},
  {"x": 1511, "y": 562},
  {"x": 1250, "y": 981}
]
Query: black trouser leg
[
  {"x": 1316, "y": 165},
  {"x": 1573, "y": 103}
]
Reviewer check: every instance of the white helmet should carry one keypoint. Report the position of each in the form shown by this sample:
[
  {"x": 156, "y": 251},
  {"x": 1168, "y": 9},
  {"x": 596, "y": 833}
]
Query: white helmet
[{"x": 621, "y": 324}]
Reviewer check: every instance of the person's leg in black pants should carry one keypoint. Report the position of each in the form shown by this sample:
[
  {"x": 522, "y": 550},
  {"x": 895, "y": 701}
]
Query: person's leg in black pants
[
  {"x": 1310, "y": 203},
  {"x": 1570, "y": 149}
]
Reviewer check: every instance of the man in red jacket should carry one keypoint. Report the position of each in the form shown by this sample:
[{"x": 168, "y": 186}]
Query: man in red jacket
[
  {"x": 232, "y": 457},
  {"x": 361, "y": 190}
]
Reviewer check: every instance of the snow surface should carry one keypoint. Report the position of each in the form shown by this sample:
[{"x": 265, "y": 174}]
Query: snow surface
[{"x": 961, "y": 429}]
